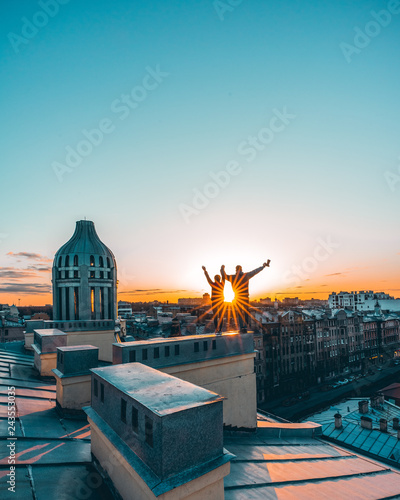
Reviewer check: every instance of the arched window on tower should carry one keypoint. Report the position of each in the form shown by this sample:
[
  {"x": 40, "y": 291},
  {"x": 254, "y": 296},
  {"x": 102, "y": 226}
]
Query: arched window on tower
[
  {"x": 67, "y": 261},
  {"x": 91, "y": 260},
  {"x": 60, "y": 262},
  {"x": 76, "y": 262},
  {"x": 101, "y": 262},
  {"x": 108, "y": 262}
]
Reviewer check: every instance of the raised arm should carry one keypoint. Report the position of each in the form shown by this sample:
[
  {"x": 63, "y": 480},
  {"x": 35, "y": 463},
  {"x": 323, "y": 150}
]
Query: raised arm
[
  {"x": 224, "y": 276},
  {"x": 258, "y": 270},
  {"x": 207, "y": 276}
]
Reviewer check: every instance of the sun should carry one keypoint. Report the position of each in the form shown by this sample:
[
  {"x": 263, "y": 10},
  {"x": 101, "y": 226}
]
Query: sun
[{"x": 229, "y": 294}]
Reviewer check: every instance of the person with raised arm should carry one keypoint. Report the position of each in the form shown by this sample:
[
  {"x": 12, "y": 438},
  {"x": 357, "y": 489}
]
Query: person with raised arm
[
  {"x": 217, "y": 299},
  {"x": 240, "y": 286}
]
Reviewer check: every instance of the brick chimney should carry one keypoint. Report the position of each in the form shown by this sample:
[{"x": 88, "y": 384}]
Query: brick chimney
[
  {"x": 338, "y": 421},
  {"x": 363, "y": 406},
  {"x": 383, "y": 425},
  {"x": 366, "y": 423}
]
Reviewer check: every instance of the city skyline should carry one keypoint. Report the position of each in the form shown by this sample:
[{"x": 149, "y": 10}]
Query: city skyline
[{"x": 205, "y": 135}]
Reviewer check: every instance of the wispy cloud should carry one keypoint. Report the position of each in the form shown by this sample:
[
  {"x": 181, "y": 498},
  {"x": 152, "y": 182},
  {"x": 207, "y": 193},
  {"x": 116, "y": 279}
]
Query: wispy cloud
[
  {"x": 151, "y": 291},
  {"x": 41, "y": 269},
  {"x": 25, "y": 289},
  {"x": 30, "y": 256},
  {"x": 15, "y": 274},
  {"x": 335, "y": 274}
]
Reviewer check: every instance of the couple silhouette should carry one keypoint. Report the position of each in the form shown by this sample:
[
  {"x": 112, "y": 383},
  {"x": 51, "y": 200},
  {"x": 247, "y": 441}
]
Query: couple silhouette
[{"x": 240, "y": 287}]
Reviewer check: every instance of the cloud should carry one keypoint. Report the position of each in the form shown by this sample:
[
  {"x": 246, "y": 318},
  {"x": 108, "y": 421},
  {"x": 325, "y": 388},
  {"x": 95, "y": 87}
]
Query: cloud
[
  {"x": 151, "y": 291},
  {"x": 15, "y": 274},
  {"x": 30, "y": 256},
  {"x": 25, "y": 289},
  {"x": 335, "y": 274},
  {"x": 41, "y": 269}
]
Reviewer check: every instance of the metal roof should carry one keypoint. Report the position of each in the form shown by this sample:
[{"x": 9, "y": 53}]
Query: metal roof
[{"x": 84, "y": 241}]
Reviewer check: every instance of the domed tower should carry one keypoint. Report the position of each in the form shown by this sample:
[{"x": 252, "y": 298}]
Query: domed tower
[{"x": 84, "y": 278}]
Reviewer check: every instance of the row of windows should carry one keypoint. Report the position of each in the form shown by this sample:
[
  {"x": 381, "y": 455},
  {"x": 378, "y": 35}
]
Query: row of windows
[
  {"x": 167, "y": 351},
  {"x": 75, "y": 261},
  {"x": 76, "y": 274}
]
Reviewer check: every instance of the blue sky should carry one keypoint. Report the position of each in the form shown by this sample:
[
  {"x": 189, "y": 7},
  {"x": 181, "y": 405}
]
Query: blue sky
[{"x": 223, "y": 80}]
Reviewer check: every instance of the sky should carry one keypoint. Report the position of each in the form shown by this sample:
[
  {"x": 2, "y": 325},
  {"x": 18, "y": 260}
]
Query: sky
[{"x": 202, "y": 133}]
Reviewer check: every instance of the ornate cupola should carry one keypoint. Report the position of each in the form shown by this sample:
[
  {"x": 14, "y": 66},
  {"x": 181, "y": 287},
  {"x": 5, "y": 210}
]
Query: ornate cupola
[{"x": 84, "y": 278}]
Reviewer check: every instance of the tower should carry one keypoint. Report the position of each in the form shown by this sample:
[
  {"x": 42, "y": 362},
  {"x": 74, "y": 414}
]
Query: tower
[{"x": 84, "y": 278}]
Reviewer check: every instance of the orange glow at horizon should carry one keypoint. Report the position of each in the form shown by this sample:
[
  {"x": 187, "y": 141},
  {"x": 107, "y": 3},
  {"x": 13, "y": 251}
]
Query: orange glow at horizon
[{"x": 269, "y": 283}]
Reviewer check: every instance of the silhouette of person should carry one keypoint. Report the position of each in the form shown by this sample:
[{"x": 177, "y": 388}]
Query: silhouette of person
[
  {"x": 217, "y": 298},
  {"x": 240, "y": 286}
]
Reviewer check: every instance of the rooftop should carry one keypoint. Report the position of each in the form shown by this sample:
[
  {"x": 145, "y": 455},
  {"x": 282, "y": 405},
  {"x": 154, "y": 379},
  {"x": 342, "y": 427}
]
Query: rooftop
[
  {"x": 381, "y": 445},
  {"x": 161, "y": 393},
  {"x": 44, "y": 332}
]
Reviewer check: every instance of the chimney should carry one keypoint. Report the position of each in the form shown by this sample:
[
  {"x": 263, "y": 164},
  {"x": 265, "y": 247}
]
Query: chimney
[
  {"x": 375, "y": 401},
  {"x": 363, "y": 406},
  {"x": 398, "y": 434},
  {"x": 396, "y": 425},
  {"x": 381, "y": 398},
  {"x": 383, "y": 425},
  {"x": 366, "y": 423},
  {"x": 338, "y": 421}
]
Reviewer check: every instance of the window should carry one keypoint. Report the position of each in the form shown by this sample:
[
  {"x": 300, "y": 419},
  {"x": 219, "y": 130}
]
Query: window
[
  {"x": 166, "y": 351},
  {"x": 92, "y": 274},
  {"x": 196, "y": 347},
  {"x": 108, "y": 262},
  {"x": 132, "y": 356},
  {"x": 177, "y": 350},
  {"x": 96, "y": 387},
  {"x": 205, "y": 345},
  {"x": 76, "y": 275},
  {"x": 6, "y": 332},
  {"x": 148, "y": 426},
  {"x": 144, "y": 354},
  {"x": 101, "y": 262},
  {"x": 156, "y": 352},
  {"x": 76, "y": 302},
  {"x": 123, "y": 410},
  {"x": 102, "y": 392},
  {"x": 214, "y": 344},
  {"x": 76, "y": 260},
  {"x": 93, "y": 316},
  {"x": 60, "y": 262},
  {"x": 102, "y": 275},
  {"x": 67, "y": 261},
  {"x": 135, "y": 420},
  {"x": 92, "y": 260}
]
